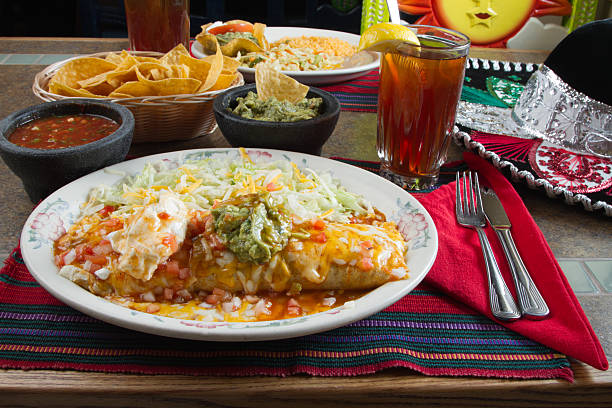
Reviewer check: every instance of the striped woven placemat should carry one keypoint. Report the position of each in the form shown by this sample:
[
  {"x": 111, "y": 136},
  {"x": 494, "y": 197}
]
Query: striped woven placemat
[
  {"x": 425, "y": 331},
  {"x": 357, "y": 95}
]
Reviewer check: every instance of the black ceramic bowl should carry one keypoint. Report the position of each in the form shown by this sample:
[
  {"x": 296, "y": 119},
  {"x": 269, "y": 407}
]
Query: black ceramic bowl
[
  {"x": 305, "y": 136},
  {"x": 44, "y": 171}
]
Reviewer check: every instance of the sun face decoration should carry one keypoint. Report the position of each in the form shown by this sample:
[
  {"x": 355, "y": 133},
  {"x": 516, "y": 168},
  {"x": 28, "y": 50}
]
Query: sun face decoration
[{"x": 488, "y": 23}]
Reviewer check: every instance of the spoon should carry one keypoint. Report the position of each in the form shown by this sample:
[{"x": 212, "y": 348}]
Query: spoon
[{"x": 393, "y": 11}]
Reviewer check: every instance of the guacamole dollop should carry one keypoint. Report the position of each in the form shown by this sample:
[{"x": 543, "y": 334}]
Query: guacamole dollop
[
  {"x": 273, "y": 110},
  {"x": 229, "y": 36},
  {"x": 252, "y": 228}
]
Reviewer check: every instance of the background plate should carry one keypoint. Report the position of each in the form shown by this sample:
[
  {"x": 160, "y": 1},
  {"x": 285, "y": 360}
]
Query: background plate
[
  {"x": 56, "y": 213},
  {"x": 308, "y": 77}
]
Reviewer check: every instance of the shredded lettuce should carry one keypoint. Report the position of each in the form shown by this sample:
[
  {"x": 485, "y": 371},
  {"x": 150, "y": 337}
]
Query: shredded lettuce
[{"x": 201, "y": 183}]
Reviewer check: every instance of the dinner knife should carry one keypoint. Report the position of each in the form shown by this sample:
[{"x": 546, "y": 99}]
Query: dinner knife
[{"x": 530, "y": 300}]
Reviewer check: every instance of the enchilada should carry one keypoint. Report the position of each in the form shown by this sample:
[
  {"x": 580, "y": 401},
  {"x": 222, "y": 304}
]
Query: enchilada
[{"x": 268, "y": 236}]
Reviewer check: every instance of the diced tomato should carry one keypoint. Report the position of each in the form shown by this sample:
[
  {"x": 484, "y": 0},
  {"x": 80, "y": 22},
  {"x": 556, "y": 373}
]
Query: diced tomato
[
  {"x": 82, "y": 250},
  {"x": 318, "y": 224},
  {"x": 233, "y": 28},
  {"x": 94, "y": 267},
  {"x": 153, "y": 308},
  {"x": 170, "y": 241},
  {"x": 320, "y": 238},
  {"x": 163, "y": 215},
  {"x": 366, "y": 264},
  {"x": 212, "y": 299},
  {"x": 273, "y": 187},
  {"x": 96, "y": 259},
  {"x": 172, "y": 267},
  {"x": 106, "y": 210},
  {"x": 168, "y": 293},
  {"x": 219, "y": 292},
  {"x": 104, "y": 247}
]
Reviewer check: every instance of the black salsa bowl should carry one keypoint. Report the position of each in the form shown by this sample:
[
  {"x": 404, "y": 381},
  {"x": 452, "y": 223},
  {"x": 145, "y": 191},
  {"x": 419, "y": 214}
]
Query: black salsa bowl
[{"x": 44, "y": 171}]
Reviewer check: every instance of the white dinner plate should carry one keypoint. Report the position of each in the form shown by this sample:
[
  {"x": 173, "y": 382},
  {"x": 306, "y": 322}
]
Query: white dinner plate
[
  {"x": 52, "y": 217},
  {"x": 365, "y": 61}
]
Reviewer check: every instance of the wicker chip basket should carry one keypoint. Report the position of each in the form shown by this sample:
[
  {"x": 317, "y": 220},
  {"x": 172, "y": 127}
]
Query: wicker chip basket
[{"x": 158, "y": 118}]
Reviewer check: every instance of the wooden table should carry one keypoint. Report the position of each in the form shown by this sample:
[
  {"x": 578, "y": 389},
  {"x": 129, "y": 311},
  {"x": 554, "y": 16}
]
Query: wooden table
[{"x": 589, "y": 238}]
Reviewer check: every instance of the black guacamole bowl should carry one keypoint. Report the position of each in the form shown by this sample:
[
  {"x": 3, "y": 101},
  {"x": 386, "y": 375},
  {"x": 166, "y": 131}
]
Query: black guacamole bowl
[
  {"x": 44, "y": 171},
  {"x": 305, "y": 136}
]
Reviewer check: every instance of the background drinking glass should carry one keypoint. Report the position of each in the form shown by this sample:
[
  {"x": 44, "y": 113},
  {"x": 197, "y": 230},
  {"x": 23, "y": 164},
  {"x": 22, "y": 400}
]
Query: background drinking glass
[
  {"x": 157, "y": 25},
  {"x": 418, "y": 95}
]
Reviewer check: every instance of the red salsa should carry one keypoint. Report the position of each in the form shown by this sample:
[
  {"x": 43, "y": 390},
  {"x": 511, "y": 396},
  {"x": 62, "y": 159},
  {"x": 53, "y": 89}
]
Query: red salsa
[{"x": 57, "y": 132}]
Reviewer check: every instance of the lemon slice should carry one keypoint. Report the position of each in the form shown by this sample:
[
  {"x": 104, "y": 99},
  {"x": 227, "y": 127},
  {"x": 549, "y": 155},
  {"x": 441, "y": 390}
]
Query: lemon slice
[{"x": 385, "y": 37}]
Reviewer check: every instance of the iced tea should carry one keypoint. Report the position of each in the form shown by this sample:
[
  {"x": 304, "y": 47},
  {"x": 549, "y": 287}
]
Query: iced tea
[
  {"x": 157, "y": 25},
  {"x": 419, "y": 90}
]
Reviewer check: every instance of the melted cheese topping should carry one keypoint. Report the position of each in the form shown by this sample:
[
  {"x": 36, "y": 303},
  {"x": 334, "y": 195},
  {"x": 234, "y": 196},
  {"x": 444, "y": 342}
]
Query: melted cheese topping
[{"x": 150, "y": 235}]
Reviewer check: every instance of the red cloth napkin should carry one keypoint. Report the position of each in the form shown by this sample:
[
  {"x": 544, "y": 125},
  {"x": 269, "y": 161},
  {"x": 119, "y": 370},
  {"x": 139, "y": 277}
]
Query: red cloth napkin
[{"x": 459, "y": 269}]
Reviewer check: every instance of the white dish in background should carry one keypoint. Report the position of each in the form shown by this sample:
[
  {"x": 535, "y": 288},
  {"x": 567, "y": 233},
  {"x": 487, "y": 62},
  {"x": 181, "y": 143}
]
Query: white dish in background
[
  {"x": 310, "y": 77},
  {"x": 57, "y": 212}
]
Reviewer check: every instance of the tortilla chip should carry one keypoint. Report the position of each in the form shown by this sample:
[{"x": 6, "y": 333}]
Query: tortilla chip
[
  {"x": 176, "y": 86},
  {"x": 241, "y": 45},
  {"x": 147, "y": 59},
  {"x": 147, "y": 68},
  {"x": 117, "y": 78},
  {"x": 172, "y": 57},
  {"x": 224, "y": 81},
  {"x": 102, "y": 89},
  {"x": 65, "y": 90},
  {"x": 208, "y": 42},
  {"x": 133, "y": 89},
  {"x": 93, "y": 81},
  {"x": 123, "y": 75},
  {"x": 198, "y": 68},
  {"x": 170, "y": 86},
  {"x": 127, "y": 62},
  {"x": 269, "y": 82},
  {"x": 216, "y": 66},
  {"x": 230, "y": 64},
  {"x": 258, "y": 32},
  {"x": 114, "y": 58},
  {"x": 119, "y": 95},
  {"x": 80, "y": 69}
]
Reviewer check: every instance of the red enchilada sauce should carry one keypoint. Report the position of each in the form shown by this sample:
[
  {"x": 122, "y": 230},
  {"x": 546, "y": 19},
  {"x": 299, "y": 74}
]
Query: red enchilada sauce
[{"x": 57, "y": 132}]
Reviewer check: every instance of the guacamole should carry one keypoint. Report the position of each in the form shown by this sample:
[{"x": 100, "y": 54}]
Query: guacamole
[
  {"x": 251, "y": 227},
  {"x": 273, "y": 110},
  {"x": 230, "y": 35}
]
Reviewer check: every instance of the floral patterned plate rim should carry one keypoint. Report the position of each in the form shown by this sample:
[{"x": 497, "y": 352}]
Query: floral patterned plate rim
[{"x": 58, "y": 211}]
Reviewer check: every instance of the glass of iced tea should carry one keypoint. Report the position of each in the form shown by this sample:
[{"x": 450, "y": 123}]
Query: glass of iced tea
[
  {"x": 157, "y": 25},
  {"x": 420, "y": 87}
]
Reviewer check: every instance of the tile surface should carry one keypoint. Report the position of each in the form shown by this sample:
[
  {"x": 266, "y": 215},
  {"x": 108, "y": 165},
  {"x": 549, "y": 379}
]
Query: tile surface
[
  {"x": 577, "y": 277},
  {"x": 603, "y": 272},
  {"x": 22, "y": 59}
]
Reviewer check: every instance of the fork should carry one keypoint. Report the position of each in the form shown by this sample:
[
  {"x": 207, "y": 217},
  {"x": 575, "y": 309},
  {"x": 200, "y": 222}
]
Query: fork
[{"x": 470, "y": 214}]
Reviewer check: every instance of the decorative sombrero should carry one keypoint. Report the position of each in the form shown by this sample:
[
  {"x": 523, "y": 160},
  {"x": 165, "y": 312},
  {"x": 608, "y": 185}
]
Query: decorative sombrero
[{"x": 549, "y": 125}]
